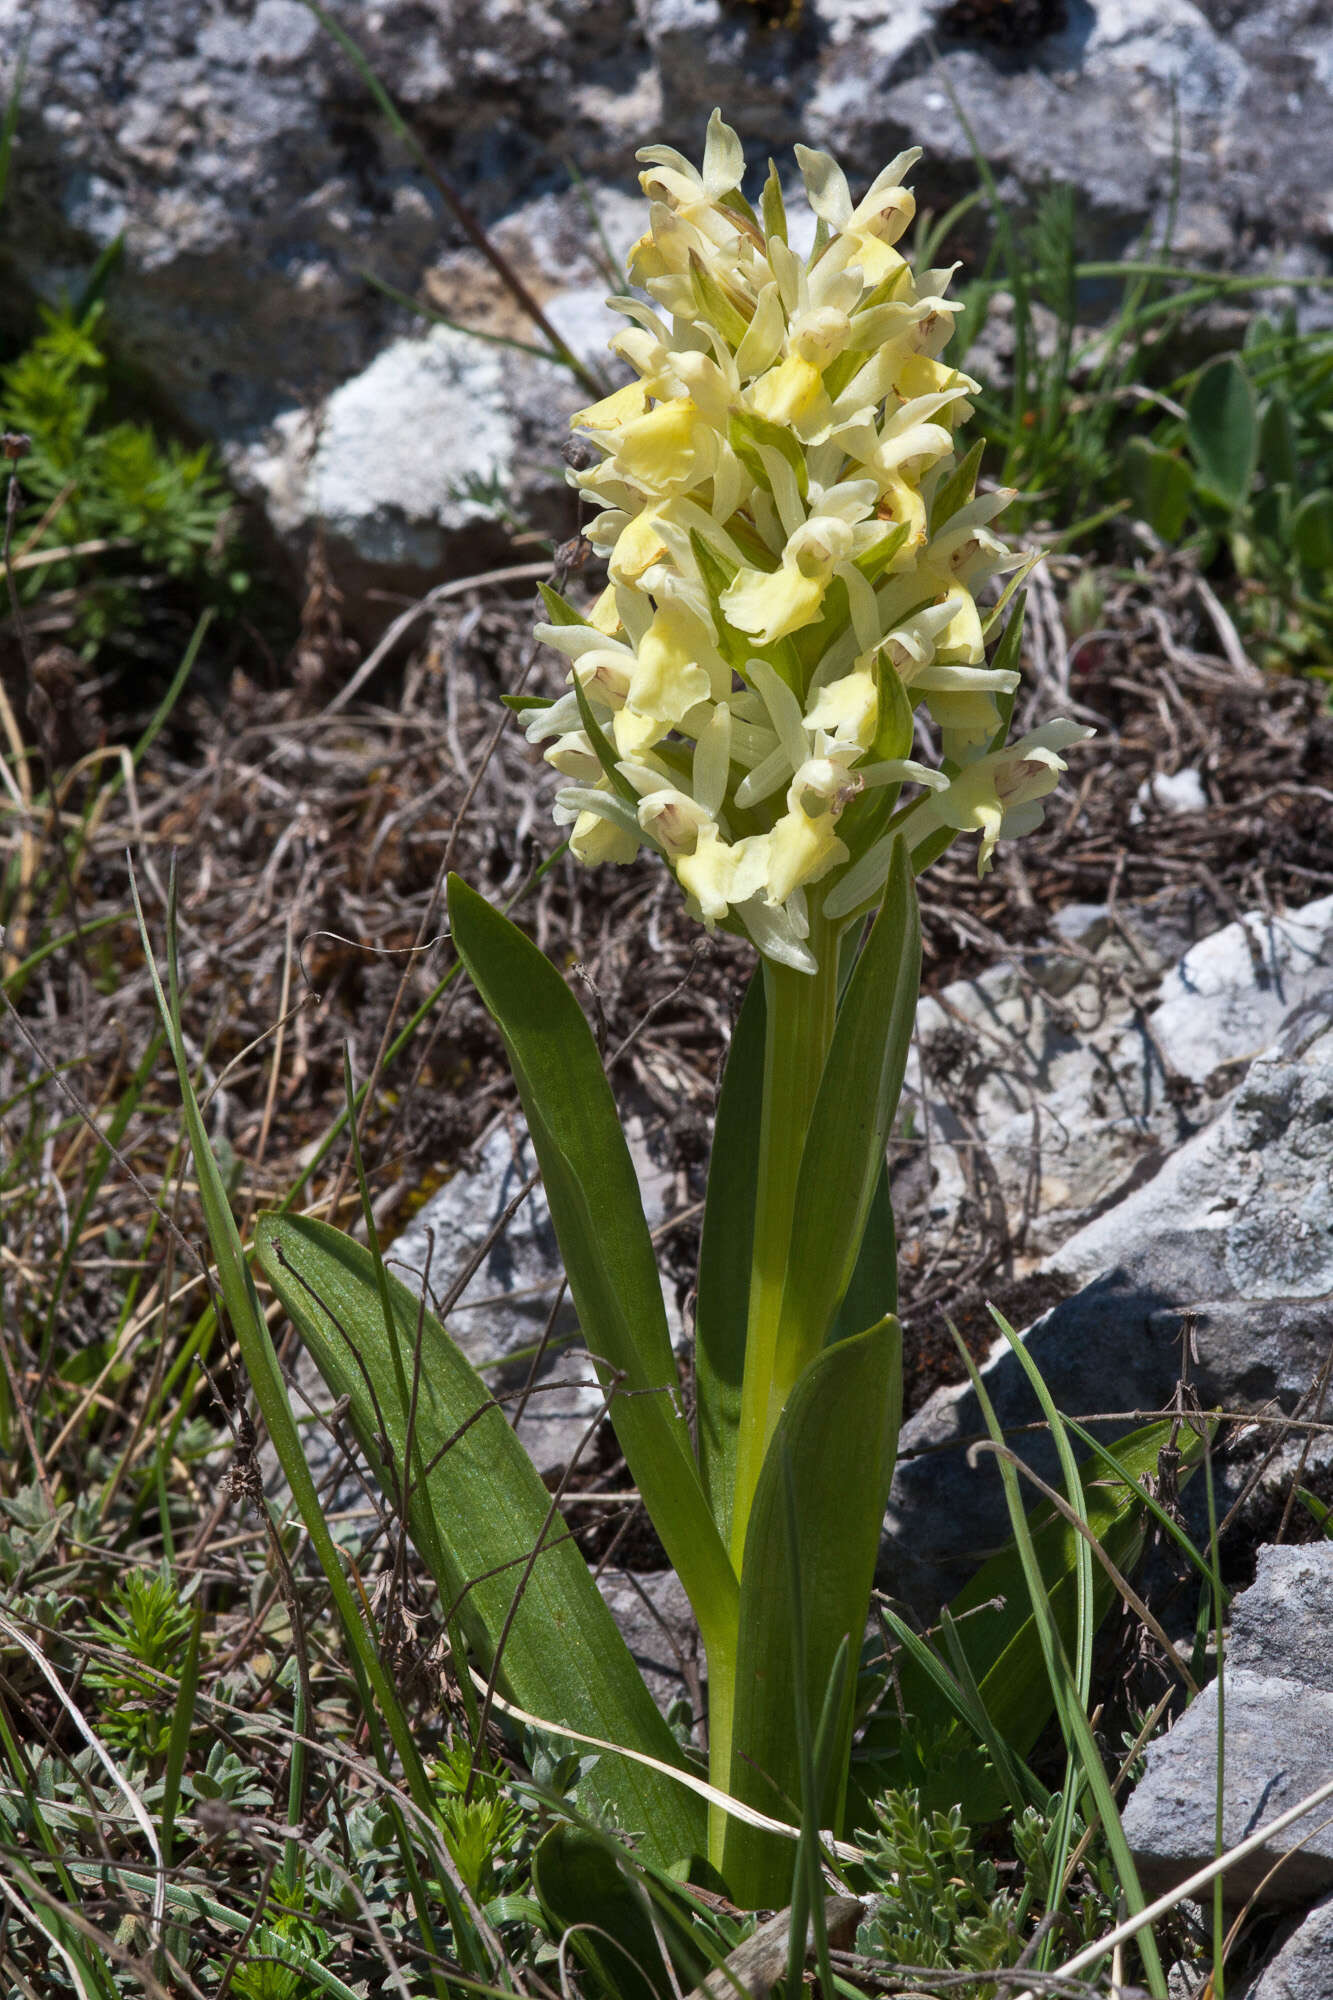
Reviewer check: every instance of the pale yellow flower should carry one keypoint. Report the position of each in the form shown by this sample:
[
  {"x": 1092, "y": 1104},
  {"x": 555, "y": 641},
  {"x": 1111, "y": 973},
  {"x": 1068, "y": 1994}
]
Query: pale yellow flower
[{"x": 783, "y": 592}]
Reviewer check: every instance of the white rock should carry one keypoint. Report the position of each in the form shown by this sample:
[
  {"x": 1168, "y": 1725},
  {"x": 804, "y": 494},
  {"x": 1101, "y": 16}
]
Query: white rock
[
  {"x": 1234, "y": 1227},
  {"x": 502, "y": 1314},
  {"x": 1169, "y": 792},
  {"x": 395, "y": 451},
  {"x": 1065, "y": 1093},
  {"x": 1229, "y": 994}
]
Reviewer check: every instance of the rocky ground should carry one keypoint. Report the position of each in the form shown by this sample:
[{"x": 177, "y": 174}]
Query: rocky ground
[
  {"x": 1092, "y": 1017},
  {"x": 310, "y": 836},
  {"x": 266, "y": 200}
]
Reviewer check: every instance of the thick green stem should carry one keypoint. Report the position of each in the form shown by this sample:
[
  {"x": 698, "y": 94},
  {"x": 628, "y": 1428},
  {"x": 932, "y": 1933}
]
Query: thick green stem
[
  {"x": 721, "y": 1735},
  {"x": 800, "y": 1012},
  {"x": 799, "y": 1015}
]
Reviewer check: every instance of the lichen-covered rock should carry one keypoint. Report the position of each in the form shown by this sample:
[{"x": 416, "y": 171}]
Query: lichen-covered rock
[
  {"x": 1278, "y": 1747},
  {"x": 417, "y": 465},
  {"x": 1234, "y": 1228},
  {"x": 256, "y": 183}
]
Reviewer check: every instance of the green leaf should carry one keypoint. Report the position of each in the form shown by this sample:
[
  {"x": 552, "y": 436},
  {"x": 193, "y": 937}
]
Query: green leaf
[
  {"x": 747, "y": 430},
  {"x": 1006, "y": 654},
  {"x": 602, "y": 750},
  {"x": 1312, "y": 532},
  {"x": 1270, "y": 517},
  {"x": 723, "y": 1301},
  {"x": 895, "y": 727},
  {"x": 558, "y": 609},
  {"x": 1223, "y": 428},
  {"x": 873, "y": 562},
  {"x": 736, "y": 202},
  {"x": 839, "y": 1434},
  {"x": 1160, "y": 486},
  {"x": 738, "y": 648},
  {"x": 718, "y": 573},
  {"x": 873, "y": 1290},
  {"x": 715, "y": 308},
  {"x": 586, "y": 1887},
  {"x": 478, "y": 1513},
  {"x": 772, "y": 206},
  {"x": 608, "y": 1256},
  {"x": 843, "y": 1158}
]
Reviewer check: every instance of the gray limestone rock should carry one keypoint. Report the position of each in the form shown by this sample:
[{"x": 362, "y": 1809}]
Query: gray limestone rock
[
  {"x": 658, "y": 1626},
  {"x": 1278, "y": 1738},
  {"x": 1303, "y": 1968},
  {"x": 1282, "y": 1625},
  {"x": 1073, "y": 1085},
  {"x": 241, "y": 156},
  {"x": 1236, "y": 1228},
  {"x": 1279, "y": 1749}
]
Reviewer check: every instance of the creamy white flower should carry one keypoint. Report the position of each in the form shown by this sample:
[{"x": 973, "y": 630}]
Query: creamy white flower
[{"x": 779, "y": 603}]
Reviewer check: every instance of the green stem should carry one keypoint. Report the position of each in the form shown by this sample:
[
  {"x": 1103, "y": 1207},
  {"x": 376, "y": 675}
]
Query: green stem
[
  {"x": 800, "y": 1011},
  {"x": 721, "y": 1657}
]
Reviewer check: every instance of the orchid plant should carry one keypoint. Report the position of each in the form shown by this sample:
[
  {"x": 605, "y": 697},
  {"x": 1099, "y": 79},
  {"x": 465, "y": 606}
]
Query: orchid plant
[{"x": 796, "y": 558}]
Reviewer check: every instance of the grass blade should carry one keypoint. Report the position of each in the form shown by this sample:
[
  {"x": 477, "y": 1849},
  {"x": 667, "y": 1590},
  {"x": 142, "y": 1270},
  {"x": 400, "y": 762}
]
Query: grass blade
[{"x": 1073, "y": 1719}]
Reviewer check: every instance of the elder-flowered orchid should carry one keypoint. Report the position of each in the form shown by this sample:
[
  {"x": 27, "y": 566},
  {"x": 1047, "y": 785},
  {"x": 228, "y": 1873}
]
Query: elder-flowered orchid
[
  {"x": 783, "y": 692},
  {"x": 796, "y": 561}
]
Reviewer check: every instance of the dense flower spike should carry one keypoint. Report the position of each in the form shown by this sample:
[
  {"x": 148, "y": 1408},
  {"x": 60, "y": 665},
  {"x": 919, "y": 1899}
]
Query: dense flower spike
[{"x": 794, "y": 555}]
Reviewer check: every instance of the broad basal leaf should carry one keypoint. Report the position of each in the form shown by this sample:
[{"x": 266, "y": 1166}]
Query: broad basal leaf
[{"x": 477, "y": 1510}]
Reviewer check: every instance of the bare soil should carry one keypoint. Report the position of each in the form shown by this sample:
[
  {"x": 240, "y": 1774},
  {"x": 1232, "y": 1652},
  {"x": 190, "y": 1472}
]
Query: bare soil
[{"x": 310, "y": 839}]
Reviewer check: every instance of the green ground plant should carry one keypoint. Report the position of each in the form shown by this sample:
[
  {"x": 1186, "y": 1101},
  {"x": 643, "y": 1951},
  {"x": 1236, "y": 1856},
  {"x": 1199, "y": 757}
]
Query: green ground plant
[
  {"x": 936, "y": 1901},
  {"x": 1231, "y": 461},
  {"x": 1245, "y": 477},
  {"x": 106, "y": 502},
  {"x": 144, "y": 1633}
]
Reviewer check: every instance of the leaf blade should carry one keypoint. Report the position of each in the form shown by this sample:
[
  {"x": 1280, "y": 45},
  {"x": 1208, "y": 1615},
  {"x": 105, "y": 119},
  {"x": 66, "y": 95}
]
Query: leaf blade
[
  {"x": 479, "y": 1511},
  {"x": 598, "y": 1217},
  {"x": 725, "y": 1251},
  {"x": 1223, "y": 426},
  {"x": 858, "y": 1094},
  {"x": 845, "y": 1411}
]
